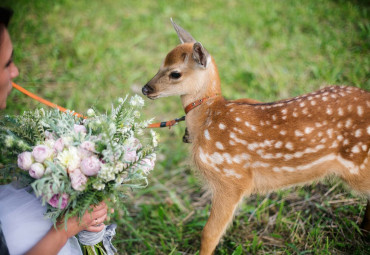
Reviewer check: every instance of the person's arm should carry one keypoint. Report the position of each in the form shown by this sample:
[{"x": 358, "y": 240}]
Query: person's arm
[{"x": 56, "y": 238}]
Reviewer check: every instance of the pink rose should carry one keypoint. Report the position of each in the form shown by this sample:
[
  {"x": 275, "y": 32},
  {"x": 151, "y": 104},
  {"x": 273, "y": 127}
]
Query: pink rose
[
  {"x": 78, "y": 180},
  {"x": 36, "y": 170},
  {"x": 84, "y": 153},
  {"x": 79, "y": 128},
  {"x": 130, "y": 154},
  {"x": 41, "y": 152},
  {"x": 25, "y": 160},
  {"x": 87, "y": 145},
  {"x": 135, "y": 143},
  {"x": 147, "y": 164},
  {"x": 90, "y": 166},
  {"x": 86, "y": 149},
  {"x": 54, "y": 201},
  {"x": 59, "y": 145}
]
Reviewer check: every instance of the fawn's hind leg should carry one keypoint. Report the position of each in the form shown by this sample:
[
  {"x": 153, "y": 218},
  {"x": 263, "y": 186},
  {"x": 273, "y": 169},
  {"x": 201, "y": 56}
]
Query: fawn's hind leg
[
  {"x": 224, "y": 202},
  {"x": 365, "y": 225}
]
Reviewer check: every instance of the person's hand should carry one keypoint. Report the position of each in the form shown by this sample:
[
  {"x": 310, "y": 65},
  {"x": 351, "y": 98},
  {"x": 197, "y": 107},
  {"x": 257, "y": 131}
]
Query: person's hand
[
  {"x": 92, "y": 221},
  {"x": 55, "y": 239}
]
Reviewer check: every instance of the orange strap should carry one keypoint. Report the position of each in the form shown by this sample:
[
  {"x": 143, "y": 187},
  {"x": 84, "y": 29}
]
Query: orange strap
[
  {"x": 153, "y": 125},
  {"x": 43, "y": 101},
  {"x": 169, "y": 123}
]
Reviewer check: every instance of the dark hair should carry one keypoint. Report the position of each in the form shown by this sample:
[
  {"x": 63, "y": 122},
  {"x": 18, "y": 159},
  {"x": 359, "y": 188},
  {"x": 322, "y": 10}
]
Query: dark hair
[{"x": 5, "y": 15}]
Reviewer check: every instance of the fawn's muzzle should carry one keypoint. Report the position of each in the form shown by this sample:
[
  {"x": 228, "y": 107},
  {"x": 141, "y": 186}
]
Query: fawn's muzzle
[{"x": 147, "y": 90}]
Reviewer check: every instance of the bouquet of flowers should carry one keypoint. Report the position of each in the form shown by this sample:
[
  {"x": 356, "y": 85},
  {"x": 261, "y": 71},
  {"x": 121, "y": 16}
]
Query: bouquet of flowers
[{"x": 73, "y": 162}]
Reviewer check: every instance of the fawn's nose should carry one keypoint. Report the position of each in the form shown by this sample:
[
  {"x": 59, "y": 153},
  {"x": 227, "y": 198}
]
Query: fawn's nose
[{"x": 147, "y": 90}]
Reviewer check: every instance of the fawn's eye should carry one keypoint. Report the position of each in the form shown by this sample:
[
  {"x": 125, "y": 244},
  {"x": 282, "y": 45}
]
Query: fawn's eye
[{"x": 175, "y": 75}]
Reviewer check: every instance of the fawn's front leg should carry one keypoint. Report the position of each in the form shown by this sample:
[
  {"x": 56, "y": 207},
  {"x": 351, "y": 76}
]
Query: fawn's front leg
[
  {"x": 365, "y": 225},
  {"x": 224, "y": 202}
]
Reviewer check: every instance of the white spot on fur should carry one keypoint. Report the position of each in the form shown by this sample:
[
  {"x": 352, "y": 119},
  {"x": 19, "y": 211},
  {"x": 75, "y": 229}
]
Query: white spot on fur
[
  {"x": 348, "y": 123},
  {"x": 227, "y": 157},
  {"x": 289, "y": 146},
  {"x": 358, "y": 133},
  {"x": 236, "y": 139},
  {"x": 298, "y": 133},
  {"x": 308, "y": 130},
  {"x": 237, "y": 119},
  {"x": 329, "y": 111},
  {"x": 251, "y": 126},
  {"x": 232, "y": 173},
  {"x": 355, "y": 149},
  {"x": 278, "y": 144},
  {"x": 219, "y": 146},
  {"x": 284, "y": 111},
  {"x": 276, "y": 169},
  {"x": 360, "y": 111},
  {"x": 252, "y": 146},
  {"x": 334, "y": 144},
  {"x": 313, "y": 102},
  {"x": 340, "y": 111},
  {"x": 260, "y": 164},
  {"x": 330, "y": 132},
  {"x": 217, "y": 158},
  {"x": 283, "y": 132},
  {"x": 287, "y": 168},
  {"x": 206, "y": 135},
  {"x": 221, "y": 126}
]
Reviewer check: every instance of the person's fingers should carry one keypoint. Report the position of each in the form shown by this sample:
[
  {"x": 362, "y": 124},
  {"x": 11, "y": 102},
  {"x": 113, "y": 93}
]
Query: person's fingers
[
  {"x": 96, "y": 228},
  {"x": 99, "y": 214},
  {"x": 99, "y": 220},
  {"x": 100, "y": 206}
]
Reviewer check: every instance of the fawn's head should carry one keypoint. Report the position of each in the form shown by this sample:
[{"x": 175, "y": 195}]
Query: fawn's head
[{"x": 184, "y": 71}]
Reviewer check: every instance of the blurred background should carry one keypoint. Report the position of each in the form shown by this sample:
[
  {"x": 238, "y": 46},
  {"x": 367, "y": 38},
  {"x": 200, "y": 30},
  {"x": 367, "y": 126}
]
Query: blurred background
[{"x": 83, "y": 53}]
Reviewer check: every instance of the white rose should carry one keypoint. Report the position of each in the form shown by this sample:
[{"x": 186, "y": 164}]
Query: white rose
[{"x": 69, "y": 158}]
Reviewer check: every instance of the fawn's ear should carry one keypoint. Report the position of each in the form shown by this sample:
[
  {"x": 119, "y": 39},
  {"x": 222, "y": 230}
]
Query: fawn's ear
[
  {"x": 184, "y": 36},
  {"x": 200, "y": 54}
]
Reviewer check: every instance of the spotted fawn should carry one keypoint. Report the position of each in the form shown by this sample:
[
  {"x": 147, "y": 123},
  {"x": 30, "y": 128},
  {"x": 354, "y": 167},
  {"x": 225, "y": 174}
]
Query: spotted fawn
[{"x": 244, "y": 146}]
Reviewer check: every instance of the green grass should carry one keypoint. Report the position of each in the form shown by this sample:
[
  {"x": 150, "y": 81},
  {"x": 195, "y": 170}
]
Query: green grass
[{"x": 83, "y": 53}]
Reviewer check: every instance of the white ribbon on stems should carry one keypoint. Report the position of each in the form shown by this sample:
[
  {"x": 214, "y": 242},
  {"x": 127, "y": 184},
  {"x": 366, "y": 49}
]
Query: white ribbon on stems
[{"x": 92, "y": 238}]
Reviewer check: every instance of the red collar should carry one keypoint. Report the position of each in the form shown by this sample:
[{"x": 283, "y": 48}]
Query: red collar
[{"x": 196, "y": 103}]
